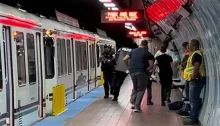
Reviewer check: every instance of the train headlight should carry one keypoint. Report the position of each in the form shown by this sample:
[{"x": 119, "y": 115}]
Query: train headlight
[
  {"x": 48, "y": 32},
  {"x": 15, "y": 33}
]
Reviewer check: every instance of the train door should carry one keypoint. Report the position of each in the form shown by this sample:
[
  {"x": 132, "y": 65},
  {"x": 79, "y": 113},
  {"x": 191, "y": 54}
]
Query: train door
[
  {"x": 39, "y": 74},
  {"x": 25, "y": 76},
  {"x": 4, "y": 83}
]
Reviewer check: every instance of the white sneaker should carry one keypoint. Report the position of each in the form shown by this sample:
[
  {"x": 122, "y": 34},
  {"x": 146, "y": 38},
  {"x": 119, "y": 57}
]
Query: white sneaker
[{"x": 137, "y": 110}]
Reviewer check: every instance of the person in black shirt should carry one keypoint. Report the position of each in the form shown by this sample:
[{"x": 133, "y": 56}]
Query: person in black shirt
[
  {"x": 107, "y": 60},
  {"x": 164, "y": 62}
]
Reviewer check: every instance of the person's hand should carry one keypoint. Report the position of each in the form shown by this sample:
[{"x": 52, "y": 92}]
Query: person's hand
[
  {"x": 127, "y": 71},
  {"x": 153, "y": 76}
]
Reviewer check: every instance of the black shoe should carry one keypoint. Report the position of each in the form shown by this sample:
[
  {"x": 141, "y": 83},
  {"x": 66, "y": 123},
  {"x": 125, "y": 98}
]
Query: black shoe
[
  {"x": 168, "y": 100},
  {"x": 163, "y": 104},
  {"x": 183, "y": 113},
  {"x": 189, "y": 121},
  {"x": 112, "y": 92},
  {"x": 106, "y": 96},
  {"x": 150, "y": 103},
  {"x": 115, "y": 99}
]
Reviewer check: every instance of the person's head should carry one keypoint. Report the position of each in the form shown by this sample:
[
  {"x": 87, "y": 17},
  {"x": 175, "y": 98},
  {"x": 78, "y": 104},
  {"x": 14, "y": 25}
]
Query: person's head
[
  {"x": 185, "y": 46},
  {"x": 144, "y": 44},
  {"x": 163, "y": 49},
  {"x": 194, "y": 45},
  {"x": 165, "y": 44}
]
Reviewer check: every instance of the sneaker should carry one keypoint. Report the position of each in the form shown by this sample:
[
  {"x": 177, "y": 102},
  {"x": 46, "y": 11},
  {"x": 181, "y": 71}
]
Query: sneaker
[
  {"x": 106, "y": 96},
  {"x": 189, "y": 121},
  {"x": 150, "y": 103},
  {"x": 137, "y": 110},
  {"x": 163, "y": 104}
]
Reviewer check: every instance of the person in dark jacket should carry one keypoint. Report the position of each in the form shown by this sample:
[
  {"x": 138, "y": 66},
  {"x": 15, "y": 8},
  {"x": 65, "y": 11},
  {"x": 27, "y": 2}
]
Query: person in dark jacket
[
  {"x": 107, "y": 60},
  {"x": 164, "y": 62},
  {"x": 119, "y": 72}
]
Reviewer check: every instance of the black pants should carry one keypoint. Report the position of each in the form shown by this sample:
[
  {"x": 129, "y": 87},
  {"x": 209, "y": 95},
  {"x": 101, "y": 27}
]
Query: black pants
[
  {"x": 118, "y": 80},
  {"x": 149, "y": 90},
  {"x": 107, "y": 82},
  {"x": 166, "y": 84}
]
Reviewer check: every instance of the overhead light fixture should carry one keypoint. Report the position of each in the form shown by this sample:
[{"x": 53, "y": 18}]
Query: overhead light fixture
[
  {"x": 103, "y": 1},
  {"x": 128, "y": 27},
  {"x": 109, "y": 4},
  {"x": 133, "y": 28},
  {"x": 114, "y": 8},
  {"x": 128, "y": 24}
]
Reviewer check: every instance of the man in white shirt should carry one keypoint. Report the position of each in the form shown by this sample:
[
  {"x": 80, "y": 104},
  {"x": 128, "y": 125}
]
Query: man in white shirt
[{"x": 168, "y": 52}]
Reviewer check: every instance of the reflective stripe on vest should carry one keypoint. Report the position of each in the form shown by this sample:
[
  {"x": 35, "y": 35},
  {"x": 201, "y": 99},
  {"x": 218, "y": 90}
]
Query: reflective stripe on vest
[{"x": 188, "y": 72}]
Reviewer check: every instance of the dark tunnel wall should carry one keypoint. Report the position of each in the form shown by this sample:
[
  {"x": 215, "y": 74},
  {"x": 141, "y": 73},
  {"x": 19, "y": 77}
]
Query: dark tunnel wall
[{"x": 204, "y": 25}]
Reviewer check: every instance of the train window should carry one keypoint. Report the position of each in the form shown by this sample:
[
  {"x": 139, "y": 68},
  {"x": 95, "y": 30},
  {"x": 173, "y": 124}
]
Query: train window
[
  {"x": 49, "y": 57},
  {"x": 59, "y": 57},
  {"x": 69, "y": 57},
  {"x": 31, "y": 58},
  {"x": 81, "y": 55},
  {"x": 93, "y": 55},
  {"x": 21, "y": 65},
  {"x": 77, "y": 55},
  {"x": 97, "y": 55},
  {"x": 63, "y": 48},
  {"x": 85, "y": 55}
]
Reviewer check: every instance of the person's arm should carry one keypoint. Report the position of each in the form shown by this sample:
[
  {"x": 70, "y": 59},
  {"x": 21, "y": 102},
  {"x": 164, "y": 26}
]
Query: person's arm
[
  {"x": 151, "y": 65},
  {"x": 196, "y": 60},
  {"x": 150, "y": 62},
  {"x": 154, "y": 67},
  {"x": 126, "y": 58}
]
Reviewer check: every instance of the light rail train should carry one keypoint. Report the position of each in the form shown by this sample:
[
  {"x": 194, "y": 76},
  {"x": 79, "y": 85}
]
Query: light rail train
[{"x": 38, "y": 54}]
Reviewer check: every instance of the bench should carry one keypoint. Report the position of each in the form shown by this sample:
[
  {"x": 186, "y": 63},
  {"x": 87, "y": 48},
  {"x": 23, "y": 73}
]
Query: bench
[{"x": 178, "y": 83}]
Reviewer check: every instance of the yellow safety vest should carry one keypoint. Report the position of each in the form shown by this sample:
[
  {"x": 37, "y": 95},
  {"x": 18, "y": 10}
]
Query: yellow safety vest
[{"x": 188, "y": 72}]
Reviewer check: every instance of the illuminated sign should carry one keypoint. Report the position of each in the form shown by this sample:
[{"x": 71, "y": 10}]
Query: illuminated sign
[
  {"x": 120, "y": 16},
  {"x": 137, "y": 34}
]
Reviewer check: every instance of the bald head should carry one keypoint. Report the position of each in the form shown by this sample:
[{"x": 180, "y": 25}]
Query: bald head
[{"x": 194, "y": 45}]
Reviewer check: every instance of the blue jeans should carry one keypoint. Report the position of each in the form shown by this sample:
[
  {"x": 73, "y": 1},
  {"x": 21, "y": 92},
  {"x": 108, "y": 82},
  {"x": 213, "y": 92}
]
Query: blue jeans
[
  {"x": 187, "y": 89},
  {"x": 195, "y": 88}
]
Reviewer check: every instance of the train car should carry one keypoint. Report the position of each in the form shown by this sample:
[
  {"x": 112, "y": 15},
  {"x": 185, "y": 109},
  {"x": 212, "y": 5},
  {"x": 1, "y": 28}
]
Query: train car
[{"x": 38, "y": 54}]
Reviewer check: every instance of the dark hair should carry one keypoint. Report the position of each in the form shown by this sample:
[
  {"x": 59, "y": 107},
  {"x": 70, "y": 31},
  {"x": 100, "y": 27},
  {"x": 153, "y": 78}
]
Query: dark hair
[
  {"x": 184, "y": 45},
  {"x": 163, "y": 49},
  {"x": 144, "y": 43},
  {"x": 195, "y": 43},
  {"x": 165, "y": 44}
]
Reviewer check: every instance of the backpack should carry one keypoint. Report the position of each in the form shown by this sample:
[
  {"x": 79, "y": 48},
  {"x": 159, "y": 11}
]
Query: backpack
[{"x": 177, "y": 105}]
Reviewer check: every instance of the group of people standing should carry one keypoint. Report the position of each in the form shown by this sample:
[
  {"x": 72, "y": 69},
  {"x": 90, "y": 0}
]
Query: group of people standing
[{"x": 142, "y": 64}]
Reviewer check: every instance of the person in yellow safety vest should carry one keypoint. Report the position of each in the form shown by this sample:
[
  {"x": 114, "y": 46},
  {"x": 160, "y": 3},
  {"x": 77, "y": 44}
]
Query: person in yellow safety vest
[
  {"x": 195, "y": 74},
  {"x": 185, "y": 46},
  {"x": 185, "y": 109}
]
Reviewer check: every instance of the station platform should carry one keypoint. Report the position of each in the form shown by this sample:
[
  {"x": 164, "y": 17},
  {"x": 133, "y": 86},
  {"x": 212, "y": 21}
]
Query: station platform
[{"x": 93, "y": 110}]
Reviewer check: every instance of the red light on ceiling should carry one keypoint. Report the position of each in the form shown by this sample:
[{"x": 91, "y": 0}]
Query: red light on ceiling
[
  {"x": 162, "y": 9},
  {"x": 138, "y": 33},
  {"x": 121, "y": 16}
]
